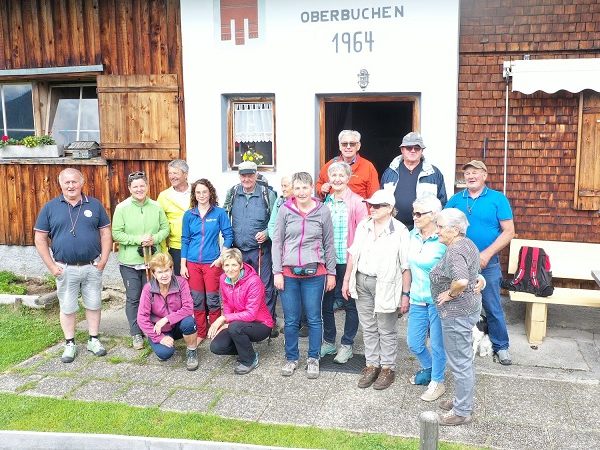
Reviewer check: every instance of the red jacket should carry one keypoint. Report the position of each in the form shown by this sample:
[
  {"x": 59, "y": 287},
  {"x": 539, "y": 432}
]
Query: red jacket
[
  {"x": 364, "y": 180},
  {"x": 153, "y": 306},
  {"x": 244, "y": 301}
]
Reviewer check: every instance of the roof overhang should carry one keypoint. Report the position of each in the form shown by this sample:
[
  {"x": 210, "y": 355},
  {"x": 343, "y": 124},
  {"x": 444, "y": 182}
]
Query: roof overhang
[{"x": 551, "y": 75}]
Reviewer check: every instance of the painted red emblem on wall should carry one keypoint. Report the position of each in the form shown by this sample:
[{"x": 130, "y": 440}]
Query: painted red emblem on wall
[{"x": 240, "y": 12}]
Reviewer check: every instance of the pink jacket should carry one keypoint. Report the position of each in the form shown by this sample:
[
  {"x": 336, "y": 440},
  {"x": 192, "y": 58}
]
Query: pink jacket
[
  {"x": 357, "y": 211},
  {"x": 244, "y": 301},
  {"x": 153, "y": 306}
]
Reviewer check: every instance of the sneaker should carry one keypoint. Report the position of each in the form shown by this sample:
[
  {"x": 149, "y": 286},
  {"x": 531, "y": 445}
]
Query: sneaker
[
  {"x": 242, "y": 369},
  {"x": 312, "y": 368},
  {"x": 288, "y": 368},
  {"x": 503, "y": 357},
  {"x": 274, "y": 332},
  {"x": 95, "y": 346},
  {"x": 343, "y": 355},
  {"x": 450, "y": 419},
  {"x": 69, "y": 353},
  {"x": 447, "y": 405},
  {"x": 422, "y": 377},
  {"x": 385, "y": 379},
  {"x": 434, "y": 391},
  {"x": 327, "y": 348},
  {"x": 369, "y": 375},
  {"x": 191, "y": 359},
  {"x": 138, "y": 342},
  {"x": 303, "y": 331}
]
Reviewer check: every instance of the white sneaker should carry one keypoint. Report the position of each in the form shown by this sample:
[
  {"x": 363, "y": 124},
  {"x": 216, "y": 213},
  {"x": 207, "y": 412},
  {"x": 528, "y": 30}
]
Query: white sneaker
[
  {"x": 344, "y": 354},
  {"x": 434, "y": 391},
  {"x": 289, "y": 368}
]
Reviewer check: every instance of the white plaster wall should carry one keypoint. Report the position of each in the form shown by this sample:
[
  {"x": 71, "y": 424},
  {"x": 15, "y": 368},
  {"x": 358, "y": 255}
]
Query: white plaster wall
[{"x": 296, "y": 61}]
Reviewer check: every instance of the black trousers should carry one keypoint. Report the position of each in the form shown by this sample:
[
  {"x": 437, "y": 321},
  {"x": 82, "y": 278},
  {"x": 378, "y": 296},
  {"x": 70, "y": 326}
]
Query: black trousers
[{"x": 237, "y": 339}]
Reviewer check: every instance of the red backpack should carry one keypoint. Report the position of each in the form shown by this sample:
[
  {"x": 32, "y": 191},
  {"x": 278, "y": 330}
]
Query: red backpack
[{"x": 534, "y": 274}]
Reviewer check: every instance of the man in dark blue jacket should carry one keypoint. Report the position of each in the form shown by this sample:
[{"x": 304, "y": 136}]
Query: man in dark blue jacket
[{"x": 410, "y": 176}]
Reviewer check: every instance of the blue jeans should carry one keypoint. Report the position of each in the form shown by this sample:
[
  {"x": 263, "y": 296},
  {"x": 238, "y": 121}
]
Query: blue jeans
[
  {"x": 458, "y": 342},
  {"x": 302, "y": 294},
  {"x": 351, "y": 323},
  {"x": 490, "y": 299},
  {"x": 420, "y": 319},
  {"x": 186, "y": 326}
]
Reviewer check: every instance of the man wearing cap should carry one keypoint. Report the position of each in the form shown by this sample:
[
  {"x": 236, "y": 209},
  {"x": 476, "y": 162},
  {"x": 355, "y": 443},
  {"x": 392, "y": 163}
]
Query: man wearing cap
[
  {"x": 364, "y": 180},
  {"x": 411, "y": 176},
  {"x": 491, "y": 228},
  {"x": 175, "y": 201},
  {"x": 77, "y": 230},
  {"x": 249, "y": 205}
]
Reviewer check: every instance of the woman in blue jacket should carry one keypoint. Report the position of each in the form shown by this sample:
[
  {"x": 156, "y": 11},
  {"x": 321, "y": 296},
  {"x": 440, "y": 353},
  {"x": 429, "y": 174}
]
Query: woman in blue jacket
[{"x": 203, "y": 223}]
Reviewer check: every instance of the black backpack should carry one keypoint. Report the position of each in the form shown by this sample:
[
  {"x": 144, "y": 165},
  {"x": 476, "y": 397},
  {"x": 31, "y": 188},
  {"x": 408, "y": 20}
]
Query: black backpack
[{"x": 534, "y": 274}]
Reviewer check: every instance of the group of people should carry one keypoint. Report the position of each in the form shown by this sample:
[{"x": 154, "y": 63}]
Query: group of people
[{"x": 193, "y": 270}]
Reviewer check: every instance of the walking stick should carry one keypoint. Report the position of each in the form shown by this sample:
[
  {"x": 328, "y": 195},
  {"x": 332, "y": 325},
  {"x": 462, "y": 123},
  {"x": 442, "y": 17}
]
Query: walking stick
[
  {"x": 259, "y": 257},
  {"x": 147, "y": 251}
]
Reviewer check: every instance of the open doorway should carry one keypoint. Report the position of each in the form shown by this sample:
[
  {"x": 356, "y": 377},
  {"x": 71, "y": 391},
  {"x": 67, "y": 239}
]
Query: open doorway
[{"x": 381, "y": 120}]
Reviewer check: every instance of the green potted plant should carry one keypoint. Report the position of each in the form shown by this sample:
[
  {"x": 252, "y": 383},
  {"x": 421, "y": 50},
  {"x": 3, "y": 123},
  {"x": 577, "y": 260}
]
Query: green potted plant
[{"x": 30, "y": 147}]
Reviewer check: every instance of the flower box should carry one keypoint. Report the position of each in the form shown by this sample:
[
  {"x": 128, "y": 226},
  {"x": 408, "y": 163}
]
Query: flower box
[{"x": 41, "y": 151}]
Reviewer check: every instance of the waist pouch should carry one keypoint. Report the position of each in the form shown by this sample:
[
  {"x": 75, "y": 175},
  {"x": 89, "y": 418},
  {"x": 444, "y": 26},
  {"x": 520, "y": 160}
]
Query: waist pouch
[{"x": 306, "y": 270}]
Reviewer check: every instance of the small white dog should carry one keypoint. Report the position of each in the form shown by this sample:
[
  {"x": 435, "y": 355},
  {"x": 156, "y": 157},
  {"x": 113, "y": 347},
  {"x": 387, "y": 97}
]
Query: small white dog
[{"x": 481, "y": 340}]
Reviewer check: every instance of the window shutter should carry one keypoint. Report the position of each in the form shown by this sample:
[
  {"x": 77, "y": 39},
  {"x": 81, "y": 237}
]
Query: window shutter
[
  {"x": 587, "y": 180},
  {"x": 139, "y": 116}
]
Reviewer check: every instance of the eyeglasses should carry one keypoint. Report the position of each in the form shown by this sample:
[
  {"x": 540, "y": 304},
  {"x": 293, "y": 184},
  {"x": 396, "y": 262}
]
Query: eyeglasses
[
  {"x": 377, "y": 206},
  {"x": 348, "y": 144},
  {"x": 135, "y": 175},
  {"x": 418, "y": 215},
  {"x": 413, "y": 148}
]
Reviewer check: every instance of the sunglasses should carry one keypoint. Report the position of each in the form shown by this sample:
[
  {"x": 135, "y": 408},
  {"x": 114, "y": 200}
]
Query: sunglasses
[
  {"x": 418, "y": 215},
  {"x": 377, "y": 206},
  {"x": 136, "y": 175},
  {"x": 348, "y": 144}
]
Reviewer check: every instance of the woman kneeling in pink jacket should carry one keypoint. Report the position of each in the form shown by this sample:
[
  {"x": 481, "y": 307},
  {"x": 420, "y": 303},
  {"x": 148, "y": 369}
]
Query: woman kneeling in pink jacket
[
  {"x": 246, "y": 318},
  {"x": 166, "y": 311}
]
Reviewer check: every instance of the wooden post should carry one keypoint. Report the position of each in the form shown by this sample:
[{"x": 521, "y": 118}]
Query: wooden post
[{"x": 428, "y": 423}]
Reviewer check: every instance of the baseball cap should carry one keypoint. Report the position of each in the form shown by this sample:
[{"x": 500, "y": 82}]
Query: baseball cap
[
  {"x": 412, "y": 139},
  {"x": 382, "y": 196},
  {"x": 475, "y": 163},
  {"x": 247, "y": 167}
]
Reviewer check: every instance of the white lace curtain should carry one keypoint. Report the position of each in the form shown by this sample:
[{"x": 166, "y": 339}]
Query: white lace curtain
[{"x": 253, "y": 122}]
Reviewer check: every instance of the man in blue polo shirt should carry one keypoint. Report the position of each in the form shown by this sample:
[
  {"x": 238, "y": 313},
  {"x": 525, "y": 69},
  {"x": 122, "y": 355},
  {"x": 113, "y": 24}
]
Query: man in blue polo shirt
[
  {"x": 77, "y": 230},
  {"x": 491, "y": 228}
]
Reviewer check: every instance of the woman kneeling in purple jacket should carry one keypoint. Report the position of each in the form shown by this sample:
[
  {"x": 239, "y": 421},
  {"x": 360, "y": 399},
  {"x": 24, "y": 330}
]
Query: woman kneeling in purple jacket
[
  {"x": 166, "y": 311},
  {"x": 246, "y": 318}
]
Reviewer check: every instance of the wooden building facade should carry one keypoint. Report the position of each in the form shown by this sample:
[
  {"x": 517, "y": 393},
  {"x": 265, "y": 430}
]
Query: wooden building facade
[{"x": 129, "y": 53}]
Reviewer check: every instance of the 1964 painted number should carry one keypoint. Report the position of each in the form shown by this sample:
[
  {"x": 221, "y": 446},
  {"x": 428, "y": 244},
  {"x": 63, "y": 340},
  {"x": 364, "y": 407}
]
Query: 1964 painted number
[{"x": 353, "y": 42}]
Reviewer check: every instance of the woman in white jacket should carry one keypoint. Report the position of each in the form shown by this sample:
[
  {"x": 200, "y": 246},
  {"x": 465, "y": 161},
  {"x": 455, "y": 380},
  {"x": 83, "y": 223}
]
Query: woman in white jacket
[{"x": 377, "y": 275}]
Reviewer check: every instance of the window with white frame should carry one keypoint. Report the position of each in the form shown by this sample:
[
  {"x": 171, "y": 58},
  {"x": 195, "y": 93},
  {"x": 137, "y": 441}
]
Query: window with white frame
[
  {"x": 251, "y": 125},
  {"x": 73, "y": 113},
  {"x": 16, "y": 110}
]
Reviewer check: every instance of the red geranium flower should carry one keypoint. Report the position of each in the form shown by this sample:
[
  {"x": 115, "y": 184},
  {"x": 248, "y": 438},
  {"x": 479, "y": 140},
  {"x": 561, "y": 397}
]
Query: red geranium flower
[{"x": 5, "y": 138}]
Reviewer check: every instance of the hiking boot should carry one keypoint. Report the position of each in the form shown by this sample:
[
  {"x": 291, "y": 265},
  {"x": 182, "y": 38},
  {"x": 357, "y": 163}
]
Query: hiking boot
[
  {"x": 242, "y": 369},
  {"x": 327, "y": 348},
  {"x": 312, "y": 368},
  {"x": 450, "y": 419},
  {"x": 303, "y": 331},
  {"x": 385, "y": 379},
  {"x": 422, "y": 377},
  {"x": 274, "y": 332},
  {"x": 503, "y": 357},
  {"x": 95, "y": 346},
  {"x": 289, "y": 368},
  {"x": 344, "y": 354},
  {"x": 69, "y": 353},
  {"x": 447, "y": 405},
  {"x": 369, "y": 375},
  {"x": 434, "y": 391},
  {"x": 191, "y": 359},
  {"x": 138, "y": 342}
]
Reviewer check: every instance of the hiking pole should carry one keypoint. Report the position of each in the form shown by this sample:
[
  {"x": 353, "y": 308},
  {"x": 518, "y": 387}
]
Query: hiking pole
[
  {"x": 259, "y": 257},
  {"x": 147, "y": 255}
]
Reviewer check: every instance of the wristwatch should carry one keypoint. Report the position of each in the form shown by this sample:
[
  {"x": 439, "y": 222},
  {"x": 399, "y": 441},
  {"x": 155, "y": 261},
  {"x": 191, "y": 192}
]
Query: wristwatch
[{"x": 406, "y": 293}]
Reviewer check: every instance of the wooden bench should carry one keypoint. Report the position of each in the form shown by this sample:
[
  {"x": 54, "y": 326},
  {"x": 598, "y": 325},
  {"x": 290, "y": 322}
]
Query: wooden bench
[{"x": 570, "y": 260}]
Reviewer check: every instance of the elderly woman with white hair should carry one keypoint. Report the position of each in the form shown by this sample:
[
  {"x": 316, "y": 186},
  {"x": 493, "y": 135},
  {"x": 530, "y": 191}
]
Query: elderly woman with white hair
[
  {"x": 453, "y": 285},
  {"x": 425, "y": 251},
  {"x": 377, "y": 275},
  {"x": 347, "y": 210}
]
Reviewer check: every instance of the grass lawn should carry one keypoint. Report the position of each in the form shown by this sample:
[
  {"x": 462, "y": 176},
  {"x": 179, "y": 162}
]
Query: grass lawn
[{"x": 25, "y": 332}]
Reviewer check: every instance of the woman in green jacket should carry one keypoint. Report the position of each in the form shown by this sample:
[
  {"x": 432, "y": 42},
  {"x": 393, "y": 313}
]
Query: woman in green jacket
[{"x": 139, "y": 225}]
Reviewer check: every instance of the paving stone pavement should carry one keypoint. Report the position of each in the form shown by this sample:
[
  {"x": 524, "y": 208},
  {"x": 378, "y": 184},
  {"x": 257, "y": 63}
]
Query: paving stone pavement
[{"x": 548, "y": 399}]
